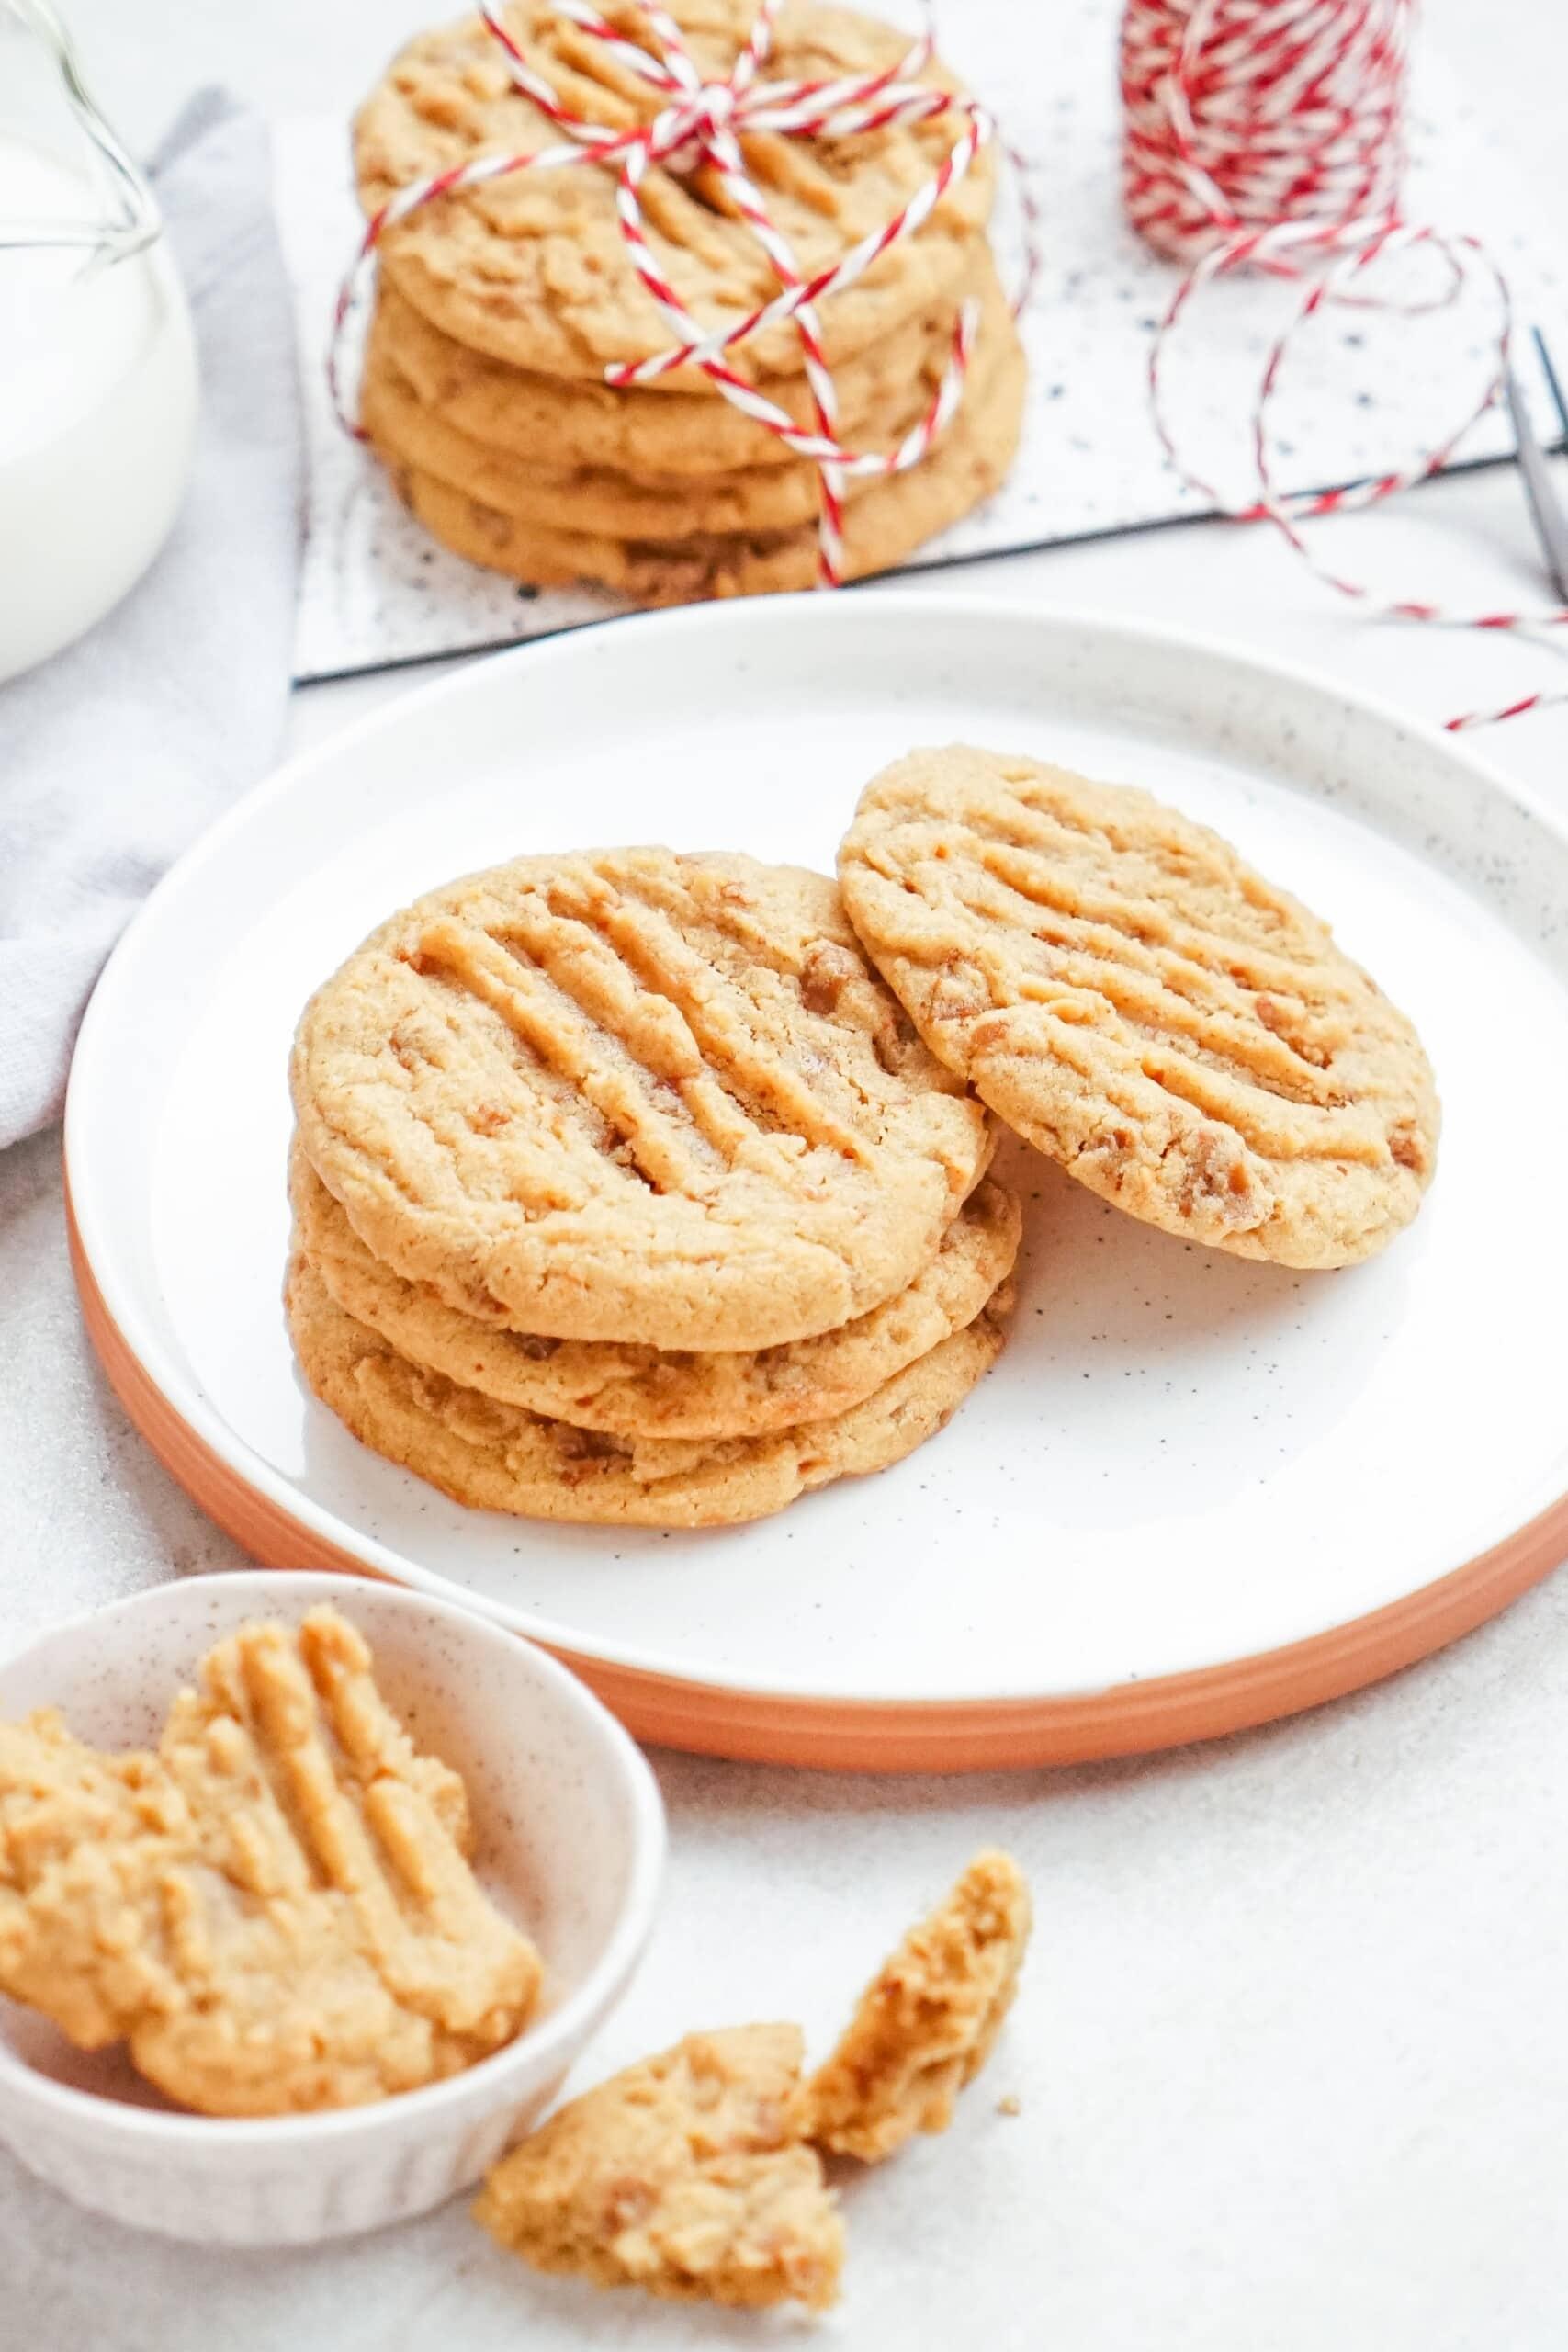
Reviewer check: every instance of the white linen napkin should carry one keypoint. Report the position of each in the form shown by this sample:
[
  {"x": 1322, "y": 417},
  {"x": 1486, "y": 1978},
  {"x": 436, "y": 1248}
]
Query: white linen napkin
[{"x": 114, "y": 755}]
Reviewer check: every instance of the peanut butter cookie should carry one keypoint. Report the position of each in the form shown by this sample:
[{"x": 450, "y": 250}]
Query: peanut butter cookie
[
  {"x": 274, "y": 1911},
  {"x": 641, "y": 1392},
  {"x": 888, "y": 521},
  {"x": 1182, "y": 1036},
  {"x": 532, "y": 268},
  {"x": 635, "y": 1096},
  {"x": 601, "y": 500},
  {"x": 492, "y": 1457},
  {"x": 562, "y": 423},
  {"x": 685, "y": 2175},
  {"x": 927, "y": 2021}
]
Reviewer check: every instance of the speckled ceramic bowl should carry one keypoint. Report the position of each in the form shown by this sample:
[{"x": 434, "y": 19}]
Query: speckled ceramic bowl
[{"x": 572, "y": 1843}]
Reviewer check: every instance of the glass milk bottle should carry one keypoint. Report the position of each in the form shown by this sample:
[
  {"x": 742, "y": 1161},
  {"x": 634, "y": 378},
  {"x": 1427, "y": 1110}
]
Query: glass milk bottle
[{"x": 97, "y": 365}]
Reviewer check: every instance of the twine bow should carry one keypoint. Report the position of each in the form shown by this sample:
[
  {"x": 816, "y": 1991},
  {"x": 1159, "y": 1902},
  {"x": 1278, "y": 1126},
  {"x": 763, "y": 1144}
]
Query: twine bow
[{"x": 701, "y": 121}]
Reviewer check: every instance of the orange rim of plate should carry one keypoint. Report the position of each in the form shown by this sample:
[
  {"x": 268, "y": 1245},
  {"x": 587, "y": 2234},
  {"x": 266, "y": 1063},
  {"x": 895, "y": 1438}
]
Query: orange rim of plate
[{"x": 891, "y": 1736}]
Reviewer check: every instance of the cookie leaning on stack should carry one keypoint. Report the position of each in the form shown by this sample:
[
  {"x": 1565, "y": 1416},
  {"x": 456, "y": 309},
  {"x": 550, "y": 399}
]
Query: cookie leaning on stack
[
  {"x": 501, "y": 305},
  {"x": 1182, "y": 1036},
  {"x": 624, "y": 1192}
]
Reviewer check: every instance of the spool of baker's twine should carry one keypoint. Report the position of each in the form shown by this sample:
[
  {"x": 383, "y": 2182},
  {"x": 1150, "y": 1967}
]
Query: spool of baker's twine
[{"x": 1270, "y": 135}]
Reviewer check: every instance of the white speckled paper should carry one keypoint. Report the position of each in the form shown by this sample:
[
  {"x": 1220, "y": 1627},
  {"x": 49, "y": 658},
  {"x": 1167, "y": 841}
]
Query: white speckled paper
[{"x": 1364, "y": 393}]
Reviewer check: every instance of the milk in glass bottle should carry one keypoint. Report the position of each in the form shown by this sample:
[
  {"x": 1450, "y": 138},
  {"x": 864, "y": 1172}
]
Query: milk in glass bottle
[{"x": 97, "y": 367}]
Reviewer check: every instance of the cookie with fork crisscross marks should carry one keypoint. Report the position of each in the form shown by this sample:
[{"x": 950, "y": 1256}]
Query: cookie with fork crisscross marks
[
  {"x": 631, "y": 1095},
  {"x": 274, "y": 1911},
  {"x": 492, "y": 1457},
  {"x": 534, "y": 269},
  {"x": 1183, "y": 1037},
  {"x": 647, "y": 1391}
]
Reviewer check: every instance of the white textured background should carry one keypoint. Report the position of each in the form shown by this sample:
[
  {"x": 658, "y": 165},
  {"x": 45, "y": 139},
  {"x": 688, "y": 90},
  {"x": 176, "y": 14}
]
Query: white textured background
[{"x": 1293, "y": 2051}]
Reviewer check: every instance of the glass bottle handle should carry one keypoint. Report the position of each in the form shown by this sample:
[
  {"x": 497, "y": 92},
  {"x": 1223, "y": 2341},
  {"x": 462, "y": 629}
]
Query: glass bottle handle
[{"x": 135, "y": 220}]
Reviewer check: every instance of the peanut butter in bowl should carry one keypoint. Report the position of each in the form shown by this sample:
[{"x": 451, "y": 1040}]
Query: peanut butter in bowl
[
  {"x": 311, "y": 1890},
  {"x": 274, "y": 1910}
]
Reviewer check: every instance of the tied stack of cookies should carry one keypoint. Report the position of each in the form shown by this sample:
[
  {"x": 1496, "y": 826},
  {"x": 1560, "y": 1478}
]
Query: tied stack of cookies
[
  {"x": 501, "y": 305},
  {"x": 625, "y": 1192}
]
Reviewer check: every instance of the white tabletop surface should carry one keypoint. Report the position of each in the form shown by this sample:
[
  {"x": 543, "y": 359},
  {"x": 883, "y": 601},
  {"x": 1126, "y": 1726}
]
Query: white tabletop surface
[{"x": 1291, "y": 2055}]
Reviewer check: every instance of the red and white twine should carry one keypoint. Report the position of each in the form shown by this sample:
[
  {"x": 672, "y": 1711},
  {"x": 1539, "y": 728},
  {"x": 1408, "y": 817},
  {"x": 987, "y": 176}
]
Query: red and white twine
[
  {"x": 1269, "y": 135},
  {"x": 1246, "y": 115},
  {"x": 702, "y": 121}
]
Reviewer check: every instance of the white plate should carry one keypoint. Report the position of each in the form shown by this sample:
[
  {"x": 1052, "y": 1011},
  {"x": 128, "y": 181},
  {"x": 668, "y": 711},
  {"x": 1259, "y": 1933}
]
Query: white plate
[{"x": 1190, "y": 1484}]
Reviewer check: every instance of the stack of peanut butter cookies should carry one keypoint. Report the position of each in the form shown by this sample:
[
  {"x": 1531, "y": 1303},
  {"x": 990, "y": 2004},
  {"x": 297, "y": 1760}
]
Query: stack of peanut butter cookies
[
  {"x": 625, "y": 1192},
  {"x": 499, "y": 306}
]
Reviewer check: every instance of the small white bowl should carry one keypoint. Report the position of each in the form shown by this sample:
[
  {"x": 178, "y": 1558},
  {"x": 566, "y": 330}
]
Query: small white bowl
[{"x": 571, "y": 1844}]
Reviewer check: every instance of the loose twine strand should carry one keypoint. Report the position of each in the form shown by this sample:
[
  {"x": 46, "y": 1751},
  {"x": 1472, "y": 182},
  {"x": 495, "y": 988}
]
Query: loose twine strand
[
  {"x": 1270, "y": 135},
  {"x": 702, "y": 121}
]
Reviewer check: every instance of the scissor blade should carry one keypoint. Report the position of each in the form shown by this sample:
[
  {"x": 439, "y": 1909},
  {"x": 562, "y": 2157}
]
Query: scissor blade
[
  {"x": 1550, "y": 521},
  {"x": 1554, "y": 384}
]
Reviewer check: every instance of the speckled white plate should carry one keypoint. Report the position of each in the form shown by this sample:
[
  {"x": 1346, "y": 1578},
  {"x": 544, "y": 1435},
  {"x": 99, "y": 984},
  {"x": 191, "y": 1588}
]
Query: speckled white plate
[{"x": 1196, "y": 1493}]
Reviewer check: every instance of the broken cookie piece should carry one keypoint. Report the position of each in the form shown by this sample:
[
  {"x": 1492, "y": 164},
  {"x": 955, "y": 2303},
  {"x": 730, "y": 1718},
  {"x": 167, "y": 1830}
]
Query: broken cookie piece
[
  {"x": 274, "y": 1912},
  {"x": 925, "y": 2025},
  {"x": 697, "y": 2173},
  {"x": 685, "y": 2175}
]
